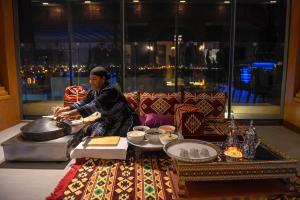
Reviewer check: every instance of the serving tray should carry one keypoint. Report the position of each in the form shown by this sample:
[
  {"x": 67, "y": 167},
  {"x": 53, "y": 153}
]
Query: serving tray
[{"x": 176, "y": 148}]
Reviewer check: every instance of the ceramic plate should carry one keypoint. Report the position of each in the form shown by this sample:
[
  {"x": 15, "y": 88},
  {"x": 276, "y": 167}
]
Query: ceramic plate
[
  {"x": 146, "y": 145},
  {"x": 190, "y": 150}
]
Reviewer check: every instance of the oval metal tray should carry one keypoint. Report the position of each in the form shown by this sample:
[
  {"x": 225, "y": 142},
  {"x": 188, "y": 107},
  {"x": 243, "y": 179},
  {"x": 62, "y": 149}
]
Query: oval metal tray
[{"x": 174, "y": 148}]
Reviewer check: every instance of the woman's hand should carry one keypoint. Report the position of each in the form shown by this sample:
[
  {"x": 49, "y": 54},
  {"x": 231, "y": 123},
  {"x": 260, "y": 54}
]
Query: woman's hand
[
  {"x": 75, "y": 117},
  {"x": 63, "y": 115},
  {"x": 68, "y": 115},
  {"x": 58, "y": 110}
]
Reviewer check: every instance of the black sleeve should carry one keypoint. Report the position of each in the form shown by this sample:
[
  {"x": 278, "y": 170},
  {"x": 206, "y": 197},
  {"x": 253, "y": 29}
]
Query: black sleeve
[
  {"x": 106, "y": 97},
  {"x": 87, "y": 99}
]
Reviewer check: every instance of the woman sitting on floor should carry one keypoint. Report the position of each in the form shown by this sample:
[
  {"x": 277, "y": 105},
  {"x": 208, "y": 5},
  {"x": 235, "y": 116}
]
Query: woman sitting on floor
[{"x": 117, "y": 117}]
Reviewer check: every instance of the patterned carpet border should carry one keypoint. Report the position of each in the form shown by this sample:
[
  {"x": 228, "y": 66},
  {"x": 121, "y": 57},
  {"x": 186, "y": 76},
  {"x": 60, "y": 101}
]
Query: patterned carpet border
[{"x": 146, "y": 177}]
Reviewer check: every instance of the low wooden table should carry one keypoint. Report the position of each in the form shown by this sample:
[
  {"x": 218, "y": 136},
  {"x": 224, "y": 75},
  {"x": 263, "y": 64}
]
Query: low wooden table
[
  {"x": 233, "y": 189},
  {"x": 267, "y": 164}
]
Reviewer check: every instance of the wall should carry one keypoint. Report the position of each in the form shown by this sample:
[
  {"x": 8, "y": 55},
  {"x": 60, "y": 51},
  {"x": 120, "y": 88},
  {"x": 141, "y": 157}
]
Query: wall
[
  {"x": 292, "y": 106},
  {"x": 9, "y": 103}
]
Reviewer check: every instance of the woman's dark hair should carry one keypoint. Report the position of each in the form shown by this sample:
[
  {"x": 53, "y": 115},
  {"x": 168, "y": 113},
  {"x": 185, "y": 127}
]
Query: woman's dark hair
[{"x": 100, "y": 71}]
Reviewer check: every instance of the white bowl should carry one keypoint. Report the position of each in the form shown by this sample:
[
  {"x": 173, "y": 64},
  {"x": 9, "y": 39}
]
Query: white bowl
[
  {"x": 168, "y": 128},
  {"x": 136, "y": 136},
  {"x": 152, "y": 135},
  {"x": 141, "y": 128},
  {"x": 167, "y": 137}
]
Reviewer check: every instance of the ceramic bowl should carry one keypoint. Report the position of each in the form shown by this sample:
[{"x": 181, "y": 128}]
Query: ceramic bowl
[
  {"x": 141, "y": 128},
  {"x": 136, "y": 136},
  {"x": 168, "y": 128},
  {"x": 167, "y": 137},
  {"x": 152, "y": 135}
]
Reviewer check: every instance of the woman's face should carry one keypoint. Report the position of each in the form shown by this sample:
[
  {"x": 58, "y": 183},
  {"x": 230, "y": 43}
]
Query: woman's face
[{"x": 96, "y": 82}]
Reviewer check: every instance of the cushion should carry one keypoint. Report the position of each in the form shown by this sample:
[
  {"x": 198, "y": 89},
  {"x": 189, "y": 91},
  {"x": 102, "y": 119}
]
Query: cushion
[
  {"x": 154, "y": 120},
  {"x": 159, "y": 103},
  {"x": 192, "y": 123},
  {"x": 189, "y": 120},
  {"x": 211, "y": 104},
  {"x": 132, "y": 99},
  {"x": 74, "y": 94},
  {"x": 181, "y": 108}
]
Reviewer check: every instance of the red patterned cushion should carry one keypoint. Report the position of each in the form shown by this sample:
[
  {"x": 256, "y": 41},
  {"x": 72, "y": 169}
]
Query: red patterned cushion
[
  {"x": 189, "y": 120},
  {"x": 73, "y": 94},
  {"x": 159, "y": 103},
  {"x": 211, "y": 104},
  {"x": 133, "y": 100}
]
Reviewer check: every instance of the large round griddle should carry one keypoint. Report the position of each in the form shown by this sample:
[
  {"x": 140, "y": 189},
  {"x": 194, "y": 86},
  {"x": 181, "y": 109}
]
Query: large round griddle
[{"x": 44, "y": 129}]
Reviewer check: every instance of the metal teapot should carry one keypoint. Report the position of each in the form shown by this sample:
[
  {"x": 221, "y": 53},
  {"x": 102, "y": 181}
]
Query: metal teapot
[
  {"x": 250, "y": 143},
  {"x": 232, "y": 139}
]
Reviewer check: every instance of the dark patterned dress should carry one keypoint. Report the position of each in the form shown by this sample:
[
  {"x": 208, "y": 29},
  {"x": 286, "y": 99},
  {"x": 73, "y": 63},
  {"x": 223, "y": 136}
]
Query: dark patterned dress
[{"x": 117, "y": 117}]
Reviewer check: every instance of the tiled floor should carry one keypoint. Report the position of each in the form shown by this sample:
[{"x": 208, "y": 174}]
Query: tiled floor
[{"x": 34, "y": 181}]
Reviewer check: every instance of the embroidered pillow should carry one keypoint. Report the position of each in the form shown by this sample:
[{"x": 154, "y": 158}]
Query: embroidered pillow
[
  {"x": 132, "y": 99},
  {"x": 179, "y": 110},
  {"x": 211, "y": 104},
  {"x": 189, "y": 120},
  {"x": 74, "y": 94},
  {"x": 159, "y": 103}
]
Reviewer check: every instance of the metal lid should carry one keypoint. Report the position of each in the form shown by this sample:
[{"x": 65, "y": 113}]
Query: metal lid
[{"x": 45, "y": 129}]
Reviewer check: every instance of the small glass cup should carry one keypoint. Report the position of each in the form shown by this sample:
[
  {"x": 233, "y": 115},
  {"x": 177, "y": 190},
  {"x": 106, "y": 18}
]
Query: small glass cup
[
  {"x": 204, "y": 152},
  {"x": 194, "y": 153},
  {"x": 184, "y": 153}
]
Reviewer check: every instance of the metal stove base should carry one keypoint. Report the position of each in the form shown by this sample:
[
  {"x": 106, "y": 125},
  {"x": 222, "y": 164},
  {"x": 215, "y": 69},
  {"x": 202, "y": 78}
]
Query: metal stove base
[{"x": 18, "y": 149}]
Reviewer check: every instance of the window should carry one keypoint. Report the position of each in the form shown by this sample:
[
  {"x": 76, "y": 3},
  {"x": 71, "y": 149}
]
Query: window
[
  {"x": 96, "y": 39},
  {"x": 203, "y": 34},
  {"x": 149, "y": 54},
  {"x": 183, "y": 46},
  {"x": 259, "y": 58}
]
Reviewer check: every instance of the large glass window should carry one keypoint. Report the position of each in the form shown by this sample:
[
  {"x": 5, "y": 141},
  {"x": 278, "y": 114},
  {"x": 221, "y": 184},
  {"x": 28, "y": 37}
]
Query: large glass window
[
  {"x": 169, "y": 45},
  {"x": 60, "y": 41},
  {"x": 43, "y": 49},
  {"x": 44, "y": 53},
  {"x": 259, "y": 58},
  {"x": 96, "y": 38},
  {"x": 203, "y": 36},
  {"x": 149, "y": 53}
]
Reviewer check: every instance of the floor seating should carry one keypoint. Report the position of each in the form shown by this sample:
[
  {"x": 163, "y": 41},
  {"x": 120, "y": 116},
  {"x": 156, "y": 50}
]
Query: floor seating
[{"x": 194, "y": 114}]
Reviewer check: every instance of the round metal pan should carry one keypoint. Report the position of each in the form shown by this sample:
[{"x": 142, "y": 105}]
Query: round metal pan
[{"x": 44, "y": 129}]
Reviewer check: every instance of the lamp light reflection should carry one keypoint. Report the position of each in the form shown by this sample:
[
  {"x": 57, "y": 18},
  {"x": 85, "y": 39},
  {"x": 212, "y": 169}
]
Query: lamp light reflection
[
  {"x": 201, "y": 47},
  {"x": 150, "y": 48}
]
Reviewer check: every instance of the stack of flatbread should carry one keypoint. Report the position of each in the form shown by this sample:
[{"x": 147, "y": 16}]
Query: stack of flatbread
[{"x": 104, "y": 141}]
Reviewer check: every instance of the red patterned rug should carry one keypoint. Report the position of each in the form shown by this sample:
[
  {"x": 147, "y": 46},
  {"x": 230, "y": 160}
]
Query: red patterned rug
[{"x": 146, "y": 177}]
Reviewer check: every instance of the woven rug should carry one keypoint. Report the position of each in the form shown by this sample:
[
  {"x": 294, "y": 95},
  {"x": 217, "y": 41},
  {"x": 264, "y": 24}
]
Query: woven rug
[{"x": 146, "y": 177}]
